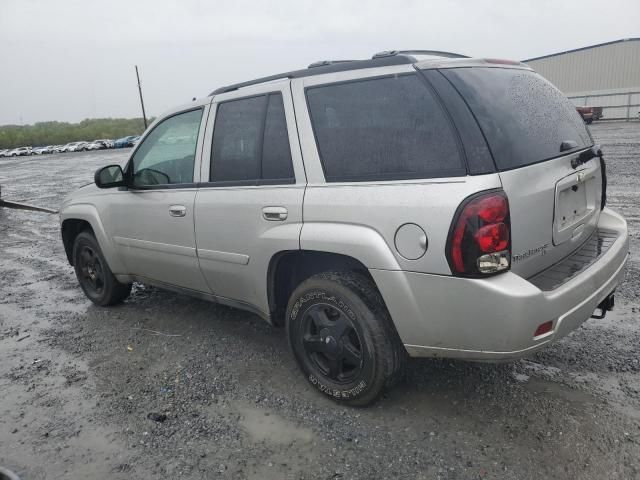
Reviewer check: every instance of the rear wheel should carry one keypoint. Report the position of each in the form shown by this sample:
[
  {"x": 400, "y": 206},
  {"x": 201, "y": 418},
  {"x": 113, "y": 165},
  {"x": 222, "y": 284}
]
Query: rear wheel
[
  {"x": 94, "y": 275},
  {"x": 342, "y": 337}
]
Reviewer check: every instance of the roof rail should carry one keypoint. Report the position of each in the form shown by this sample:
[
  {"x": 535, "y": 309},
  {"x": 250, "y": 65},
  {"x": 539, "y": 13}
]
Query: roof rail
[
  {"x": 329, "y": 67},
  {"x": 380, "y": 59},
  {"x": 324, "y": 63},
  {"x": 435, "y": 53}
]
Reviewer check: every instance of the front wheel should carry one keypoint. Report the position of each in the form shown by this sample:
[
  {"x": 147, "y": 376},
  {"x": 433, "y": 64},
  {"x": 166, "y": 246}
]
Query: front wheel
[
  {"x": 94, "y": 275},
  {"x": 343, "y": 338}
]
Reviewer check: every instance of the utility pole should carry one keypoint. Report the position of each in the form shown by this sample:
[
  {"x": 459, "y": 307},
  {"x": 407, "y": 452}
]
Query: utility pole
[{"x": 144, "y": 115}]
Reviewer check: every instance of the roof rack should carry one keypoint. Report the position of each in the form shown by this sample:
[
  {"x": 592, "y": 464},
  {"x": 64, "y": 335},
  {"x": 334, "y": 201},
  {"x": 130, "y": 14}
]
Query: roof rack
[
  {"x": 434, "y": 53},
  {"x": 380, "y": 59},
  {"x": 323, "y": 63}
]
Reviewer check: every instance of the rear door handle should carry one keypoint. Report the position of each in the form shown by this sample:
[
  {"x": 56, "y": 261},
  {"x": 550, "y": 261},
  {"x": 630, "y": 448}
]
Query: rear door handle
[
  {"x": 177, "y": 210},
  {"x": 275, "y": 214}
]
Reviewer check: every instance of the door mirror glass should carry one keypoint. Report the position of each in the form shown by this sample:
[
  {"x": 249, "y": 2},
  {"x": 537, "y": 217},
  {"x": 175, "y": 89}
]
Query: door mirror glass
[{"x": 109, "y": 177}]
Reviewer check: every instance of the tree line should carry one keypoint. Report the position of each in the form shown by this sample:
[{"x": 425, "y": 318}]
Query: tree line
[{"x": 58, "y": 133}]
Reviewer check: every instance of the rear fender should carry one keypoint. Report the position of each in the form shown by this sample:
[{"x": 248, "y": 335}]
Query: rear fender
[{"x": 362, "y": 243}]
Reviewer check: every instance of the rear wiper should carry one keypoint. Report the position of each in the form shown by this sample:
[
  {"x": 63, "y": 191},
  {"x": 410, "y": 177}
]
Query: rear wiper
[
  {"x": 585, "y": 156},
  {"x": 568, "y": 145}
]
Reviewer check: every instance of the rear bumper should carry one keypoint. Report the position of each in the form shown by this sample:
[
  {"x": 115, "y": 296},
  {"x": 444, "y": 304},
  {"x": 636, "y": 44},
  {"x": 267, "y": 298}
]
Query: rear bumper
[{"x": 495, "y": 318}]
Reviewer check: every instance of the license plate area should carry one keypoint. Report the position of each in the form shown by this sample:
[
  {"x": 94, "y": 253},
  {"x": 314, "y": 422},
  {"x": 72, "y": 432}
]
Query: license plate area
[{"x": 575, "y": 204}]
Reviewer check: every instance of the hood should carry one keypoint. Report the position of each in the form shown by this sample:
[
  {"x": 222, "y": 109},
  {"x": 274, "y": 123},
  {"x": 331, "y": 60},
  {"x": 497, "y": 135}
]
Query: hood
[{"x": 80, "y": 195}]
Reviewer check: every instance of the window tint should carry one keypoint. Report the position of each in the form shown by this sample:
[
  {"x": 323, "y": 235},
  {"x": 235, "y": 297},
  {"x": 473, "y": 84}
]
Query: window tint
[
  {"x": 385, "y": 128},
  {"x": 276, "y": 153},
  {"x": 167, "y": 154},
  {"x": 524, "y": 118},
  {"x": 236, "y": 140},
  {"x": 250, "y": 141}
]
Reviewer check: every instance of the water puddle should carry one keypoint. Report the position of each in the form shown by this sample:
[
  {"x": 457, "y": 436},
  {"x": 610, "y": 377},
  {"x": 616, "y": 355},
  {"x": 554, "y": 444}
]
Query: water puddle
[{"x": 265, "y": 426}]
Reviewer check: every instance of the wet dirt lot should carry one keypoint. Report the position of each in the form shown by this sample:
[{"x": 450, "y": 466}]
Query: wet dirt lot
[{"x": 78, "y": 382}]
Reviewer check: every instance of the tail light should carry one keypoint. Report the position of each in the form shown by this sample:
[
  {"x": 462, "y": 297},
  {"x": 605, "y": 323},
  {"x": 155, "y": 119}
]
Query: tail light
[{"x": 479, "y": 240}]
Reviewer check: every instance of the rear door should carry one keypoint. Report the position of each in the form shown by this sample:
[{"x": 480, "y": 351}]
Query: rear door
[
  {"x": 249, "y": 206},
  {"x": 534, "y": 132}
]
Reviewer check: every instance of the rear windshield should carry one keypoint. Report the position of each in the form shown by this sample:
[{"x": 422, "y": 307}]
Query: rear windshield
[{"x": 524, "y": 117}]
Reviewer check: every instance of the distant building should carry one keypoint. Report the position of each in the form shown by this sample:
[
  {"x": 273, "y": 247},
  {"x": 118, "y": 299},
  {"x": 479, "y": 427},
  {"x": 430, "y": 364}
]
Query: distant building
[{"x": 605, "y": 75}]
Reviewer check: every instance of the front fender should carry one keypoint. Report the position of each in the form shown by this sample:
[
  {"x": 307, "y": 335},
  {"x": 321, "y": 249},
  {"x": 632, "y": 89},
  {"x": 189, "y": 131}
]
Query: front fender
[
  {"x": 89, "y": 213},
  {"x": 362, "y": 243}
]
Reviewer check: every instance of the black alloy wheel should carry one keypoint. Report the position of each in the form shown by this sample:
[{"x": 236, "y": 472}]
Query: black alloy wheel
[
  {"x": 91, "y": 268},
  {"x": 93, "y": 273},
  {"x": 332, "y": 343},
  {"x": 343, "y": 338}
]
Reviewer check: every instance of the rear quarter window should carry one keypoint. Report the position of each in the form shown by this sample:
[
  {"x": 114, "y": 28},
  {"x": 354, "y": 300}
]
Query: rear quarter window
[
  {"x": 382, "y": 129},
  {"x": 524, "y": 118}
]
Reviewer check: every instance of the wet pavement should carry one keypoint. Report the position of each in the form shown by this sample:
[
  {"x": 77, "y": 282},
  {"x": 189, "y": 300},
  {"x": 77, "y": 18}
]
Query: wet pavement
[{"x": 78, "y": 382}]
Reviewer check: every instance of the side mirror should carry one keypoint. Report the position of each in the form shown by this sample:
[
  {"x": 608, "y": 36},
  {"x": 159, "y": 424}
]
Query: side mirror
[{"x": 109, "y": 177}]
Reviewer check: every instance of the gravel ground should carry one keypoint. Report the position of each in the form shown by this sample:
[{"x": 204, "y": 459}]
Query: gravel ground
[{"x": 165, "y": 386}]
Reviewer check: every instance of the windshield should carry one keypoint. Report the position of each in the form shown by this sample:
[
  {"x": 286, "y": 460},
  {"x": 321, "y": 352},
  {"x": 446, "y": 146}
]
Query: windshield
[{"x": 524, "y": 118}]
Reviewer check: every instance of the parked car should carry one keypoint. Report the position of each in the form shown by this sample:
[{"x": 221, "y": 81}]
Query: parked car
[
  {"x": 99, "y": 144},
  {"x": 78, "y": 147},
  {"x": 589, "y": 114},
  {"x": 65, "y": 148},
  {"x": 20, "y": 151},
  {"x": 4, "y": 152},
  {"x": 73, "y": 146},
  {"x": 124, "y": 142},
  {"x": 94, "y": 146},
  {"x": 42, "y": 150},
  {"x": 105, "y": 141},
  {"x": 375, "y": 209}
]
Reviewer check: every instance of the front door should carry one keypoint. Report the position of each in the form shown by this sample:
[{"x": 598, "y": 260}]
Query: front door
[{"x": 152, "y": 220}]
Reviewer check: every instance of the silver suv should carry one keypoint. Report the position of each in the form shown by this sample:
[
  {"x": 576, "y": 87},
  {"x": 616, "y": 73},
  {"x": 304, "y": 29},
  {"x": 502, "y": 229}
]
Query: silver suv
[{"x": 431, "y": 207}]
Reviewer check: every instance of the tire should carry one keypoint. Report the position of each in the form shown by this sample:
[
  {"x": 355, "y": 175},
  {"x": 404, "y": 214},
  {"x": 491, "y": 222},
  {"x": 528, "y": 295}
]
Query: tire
[
  {"x": 343, "y": 338},
  {"x": 93, "y": 273}
]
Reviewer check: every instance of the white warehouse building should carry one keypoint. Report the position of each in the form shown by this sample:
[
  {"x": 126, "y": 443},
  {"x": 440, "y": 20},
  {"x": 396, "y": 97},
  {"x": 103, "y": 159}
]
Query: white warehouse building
[{"x": 606, "y": 75}]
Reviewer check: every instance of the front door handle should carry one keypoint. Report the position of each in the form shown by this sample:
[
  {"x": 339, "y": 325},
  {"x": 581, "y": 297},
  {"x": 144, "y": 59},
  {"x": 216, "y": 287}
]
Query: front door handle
[
  {"x": 177, "y": 210},
  {"x": 275, "y": 214}
]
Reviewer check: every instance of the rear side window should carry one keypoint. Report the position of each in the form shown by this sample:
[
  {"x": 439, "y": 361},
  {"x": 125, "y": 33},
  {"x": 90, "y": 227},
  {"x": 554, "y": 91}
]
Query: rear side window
[
  {"x": 276, "y": 154},
  {"x": 388, "y": 128},
  {"x": 524, "y": 118},
  {"x": 250, "y": 142}
]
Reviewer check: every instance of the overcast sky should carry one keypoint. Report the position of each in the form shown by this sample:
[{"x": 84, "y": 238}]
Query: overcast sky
[{"x": 73, "y": 59}]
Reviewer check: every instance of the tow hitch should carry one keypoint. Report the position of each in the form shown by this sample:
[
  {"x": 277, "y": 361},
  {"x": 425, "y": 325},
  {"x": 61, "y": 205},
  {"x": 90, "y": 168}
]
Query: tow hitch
[{"x": 604, "y": 306}]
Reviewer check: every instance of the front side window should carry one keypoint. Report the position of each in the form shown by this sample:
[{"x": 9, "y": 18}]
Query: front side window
[
  {"x": 167, "y": 154},
  {"x": 250, "y": 142},
  {"x": 388, "y": 128}
]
